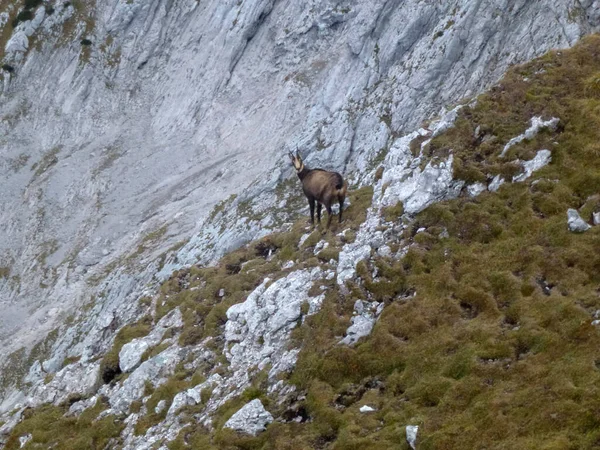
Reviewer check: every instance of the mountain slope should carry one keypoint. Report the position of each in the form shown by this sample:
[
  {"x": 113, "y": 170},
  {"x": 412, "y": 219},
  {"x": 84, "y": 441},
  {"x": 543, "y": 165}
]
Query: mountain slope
[
  {"x": 465, "y": 301},
  {"x": 124, "y": 122}
]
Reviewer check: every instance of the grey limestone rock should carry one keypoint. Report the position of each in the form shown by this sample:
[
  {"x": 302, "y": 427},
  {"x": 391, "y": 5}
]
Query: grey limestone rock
[
  {"x": 366, "y": 315},
  {"x": 411, "y": 435},
  {"x": 252, "y": 418},
  {"x": 576, "y": 223},
  {"x": 541, "y": 159},
  {"x": 131, "y": 353},
  {"x": 153, "y": 370},
  {"x": 537, "y": 124}
]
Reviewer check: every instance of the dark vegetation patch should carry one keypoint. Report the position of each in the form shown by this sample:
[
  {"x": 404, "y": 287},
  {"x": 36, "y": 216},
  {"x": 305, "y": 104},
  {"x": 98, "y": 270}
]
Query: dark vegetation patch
[
  {"x": 23, "y": 16},
  {"x": 51, "y": 429}
]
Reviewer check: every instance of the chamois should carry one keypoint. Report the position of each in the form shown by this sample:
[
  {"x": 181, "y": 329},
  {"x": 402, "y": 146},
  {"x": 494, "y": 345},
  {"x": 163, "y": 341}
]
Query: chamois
[{"x": 321, "y": 187}]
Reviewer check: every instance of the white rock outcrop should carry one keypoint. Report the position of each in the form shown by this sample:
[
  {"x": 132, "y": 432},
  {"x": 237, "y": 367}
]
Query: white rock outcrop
[
  {"x": 78, "y": 378},
  {"x": 154, "y": 371},
  {"x": 575, "y": 222},
  {"x": 366, "y": 314},
  {"x": 537, "y": 124},
  {"x": 411, "y": 435},
  {"x": 131, "y": 353},
  {"x": 257, "y": 329},
  {"x": 252, "y": 418},
  {"x": 541, "y": 159}
]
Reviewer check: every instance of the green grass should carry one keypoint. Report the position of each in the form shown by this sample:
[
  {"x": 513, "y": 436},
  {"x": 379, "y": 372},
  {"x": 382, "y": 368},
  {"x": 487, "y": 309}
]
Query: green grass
[
  {"x": 482, "y": 356},
  {"x": 485, "y": 355},
  {"x": 51, "y": 429},
  {"x": 486, "y": 338}
]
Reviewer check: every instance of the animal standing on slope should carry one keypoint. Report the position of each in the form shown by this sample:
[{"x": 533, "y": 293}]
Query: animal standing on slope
[{"x": 321, "y": 187}]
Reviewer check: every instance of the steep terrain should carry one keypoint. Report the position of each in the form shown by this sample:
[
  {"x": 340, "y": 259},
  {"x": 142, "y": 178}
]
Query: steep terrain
[
  {"x": 143, "y": 143},
  {"x": 124, "y": 122},
  {"x": 457, "y": 302}
]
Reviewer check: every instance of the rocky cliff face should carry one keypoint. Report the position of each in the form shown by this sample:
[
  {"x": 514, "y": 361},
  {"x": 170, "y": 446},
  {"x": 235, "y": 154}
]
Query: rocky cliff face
[{"x": 139, "y": 138}]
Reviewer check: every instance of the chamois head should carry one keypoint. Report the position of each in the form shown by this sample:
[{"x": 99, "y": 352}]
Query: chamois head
[{"x": 297, "y": 161}]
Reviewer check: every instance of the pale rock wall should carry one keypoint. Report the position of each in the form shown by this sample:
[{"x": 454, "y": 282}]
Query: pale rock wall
[{"x": 178, "y": 104}]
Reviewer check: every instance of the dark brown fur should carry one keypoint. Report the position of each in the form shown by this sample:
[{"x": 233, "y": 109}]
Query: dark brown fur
[{"x": 321, "y": 187}]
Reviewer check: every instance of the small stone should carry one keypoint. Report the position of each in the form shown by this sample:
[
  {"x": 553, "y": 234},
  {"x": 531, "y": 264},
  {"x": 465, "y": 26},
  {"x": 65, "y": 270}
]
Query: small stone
[
  {"x": 541, "y": 159},
  {"x": 475, "y": 189},
  {"x": 366, "y": 409},
  {"x": 221, "y": 292},
  {"x": 495, "y": 184},
  {"x": 596, "y": 218},
  {"x": 411, "y": 435},
  {"x": 160, "y": 406},
  {"x": 23, "y": 440},
  {"x": 303, "y": 239},
  {"x": 576, "y": 223}
]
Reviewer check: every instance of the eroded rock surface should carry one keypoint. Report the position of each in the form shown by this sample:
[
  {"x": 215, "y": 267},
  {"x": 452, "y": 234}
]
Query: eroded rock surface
[
  {"x": 251, "y": 419},
  {"x": 575, "y": 222}
]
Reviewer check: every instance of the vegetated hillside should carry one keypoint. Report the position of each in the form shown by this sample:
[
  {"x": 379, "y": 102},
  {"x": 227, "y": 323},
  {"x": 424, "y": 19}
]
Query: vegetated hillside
[
  {"x": 123, "y": 122},
  {"x": 486, "y": 338}
]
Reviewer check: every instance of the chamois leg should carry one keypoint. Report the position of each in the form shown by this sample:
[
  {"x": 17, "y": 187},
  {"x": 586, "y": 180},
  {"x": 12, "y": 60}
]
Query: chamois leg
[
  {"x": 341, "y": 201},
  {"x": 328, "y": 216},
  {"x": 319, "y": 207},
  {"x": 311, "y": 204}
]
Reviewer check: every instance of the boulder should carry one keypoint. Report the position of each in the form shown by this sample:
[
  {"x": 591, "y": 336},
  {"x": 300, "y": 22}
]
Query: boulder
[
  {"x": 411, "y": 435},
  {"x": 251, "y": 418},
  {"x": 131, "y": 353},
  {"x": 576, "y": 223}
]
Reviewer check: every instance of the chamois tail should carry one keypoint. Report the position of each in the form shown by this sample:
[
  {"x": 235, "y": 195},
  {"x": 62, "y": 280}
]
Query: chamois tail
[{"x": 342, "y": 189}]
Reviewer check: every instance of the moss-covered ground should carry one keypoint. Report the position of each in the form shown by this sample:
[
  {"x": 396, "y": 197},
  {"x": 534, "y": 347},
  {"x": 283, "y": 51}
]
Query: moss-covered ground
[
  {"x": 486, "y": 339},
  {"x": 51, "y": 429}
]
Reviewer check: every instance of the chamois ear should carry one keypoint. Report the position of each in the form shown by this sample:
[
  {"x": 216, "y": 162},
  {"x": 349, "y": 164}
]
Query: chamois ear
[
  {"x": 298, "y": 155},
  {"x": 291, "y": 156}
]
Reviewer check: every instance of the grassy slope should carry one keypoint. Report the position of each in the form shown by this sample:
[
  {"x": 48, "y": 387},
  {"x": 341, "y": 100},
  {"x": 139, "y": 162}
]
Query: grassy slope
[{"x": 496, "y": 350}]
